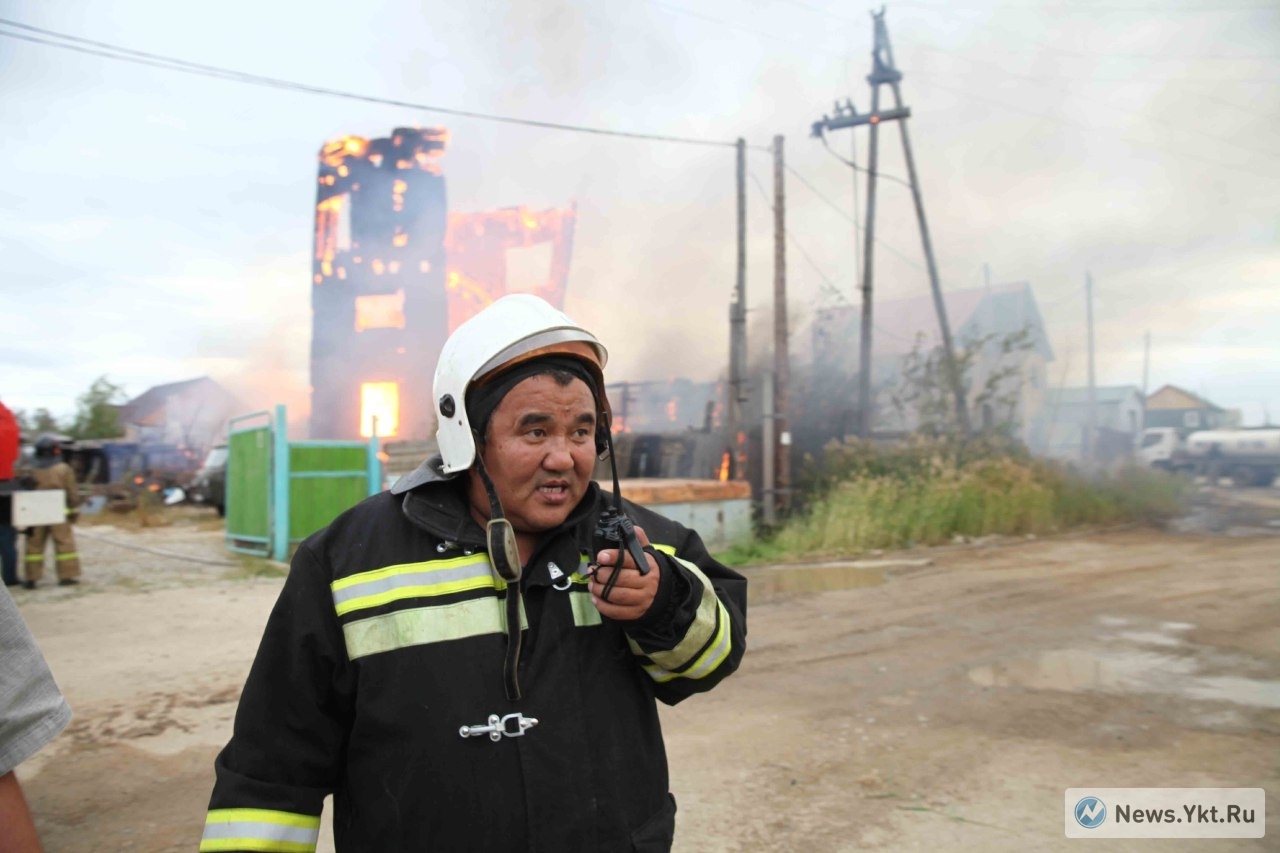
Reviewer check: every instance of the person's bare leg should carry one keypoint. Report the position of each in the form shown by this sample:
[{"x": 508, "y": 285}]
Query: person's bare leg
[{"x": 17, "y": 829}]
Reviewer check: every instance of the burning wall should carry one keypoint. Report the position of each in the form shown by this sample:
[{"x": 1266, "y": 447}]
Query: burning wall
[
  {"x": 379, "y": 313},
  {"x": 394, "y": 273}
]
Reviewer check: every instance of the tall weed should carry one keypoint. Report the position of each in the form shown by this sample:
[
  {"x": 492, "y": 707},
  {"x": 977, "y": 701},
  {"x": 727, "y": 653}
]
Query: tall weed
[{"x": 864, "y": 496}]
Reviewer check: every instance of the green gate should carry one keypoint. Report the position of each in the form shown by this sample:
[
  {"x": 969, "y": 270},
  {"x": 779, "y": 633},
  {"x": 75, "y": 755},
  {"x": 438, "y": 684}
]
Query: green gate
[
  {"x": 248, "y": 483},
  {"x": 271, "y": 506}
]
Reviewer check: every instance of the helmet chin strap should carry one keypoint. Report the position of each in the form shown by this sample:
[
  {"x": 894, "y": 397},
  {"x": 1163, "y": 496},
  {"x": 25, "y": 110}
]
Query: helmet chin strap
[{"x": 500, "y": 537}]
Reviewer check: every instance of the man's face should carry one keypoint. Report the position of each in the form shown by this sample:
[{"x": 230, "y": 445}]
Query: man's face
[{"x": 540, "y": 451}]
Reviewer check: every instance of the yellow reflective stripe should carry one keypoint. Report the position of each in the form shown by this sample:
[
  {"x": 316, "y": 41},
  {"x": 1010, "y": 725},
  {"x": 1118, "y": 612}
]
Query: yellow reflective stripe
[
  {"x": 704, "y": 624},
  {"x": 413, "y": 580},
  {"x": 712, "y": 619},
  {"x": 259, "y": 830},
  {"x": 32, "y": 558},
  {"x": 70, "y": 555},
  {"x": 423, "y": 625},
  {"x": 584, "y": 612}
]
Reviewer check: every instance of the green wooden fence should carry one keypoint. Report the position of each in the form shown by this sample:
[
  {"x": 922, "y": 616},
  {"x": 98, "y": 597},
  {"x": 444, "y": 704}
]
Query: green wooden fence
[{"x": 280, "y": 492}]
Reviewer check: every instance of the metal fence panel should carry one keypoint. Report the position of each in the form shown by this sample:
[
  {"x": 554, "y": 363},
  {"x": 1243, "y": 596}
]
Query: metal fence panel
[
  {"x": 248, "y": 486},
  {"x": 325, "y": 478}
]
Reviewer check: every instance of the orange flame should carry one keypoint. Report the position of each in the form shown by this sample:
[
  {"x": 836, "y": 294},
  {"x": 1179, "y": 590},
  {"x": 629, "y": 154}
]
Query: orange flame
[{"x": 379, "y": 400}]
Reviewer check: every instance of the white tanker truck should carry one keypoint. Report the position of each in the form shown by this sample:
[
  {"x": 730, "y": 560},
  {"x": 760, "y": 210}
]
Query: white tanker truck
[{"x": 1250, "y": 457}]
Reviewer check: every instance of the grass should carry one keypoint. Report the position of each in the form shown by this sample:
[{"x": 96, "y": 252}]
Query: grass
[
  {"x": 865, "y": 497},
  {"x": 249, "y": 566},
  {"x": 151, "y": 512}
]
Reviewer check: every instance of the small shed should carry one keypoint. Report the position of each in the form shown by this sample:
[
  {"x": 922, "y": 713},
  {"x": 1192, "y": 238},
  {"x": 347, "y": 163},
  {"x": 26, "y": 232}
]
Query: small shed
[{"x": 1171, "y": 406}]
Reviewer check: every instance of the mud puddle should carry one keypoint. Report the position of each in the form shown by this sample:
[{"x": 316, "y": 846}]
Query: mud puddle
[
  {"x": 1137, "y": 660},
  {"x": 780, "y": 581}
]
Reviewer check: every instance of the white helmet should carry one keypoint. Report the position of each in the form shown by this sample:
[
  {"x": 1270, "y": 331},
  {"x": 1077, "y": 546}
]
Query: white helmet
[{"x": 515, "y": 328}]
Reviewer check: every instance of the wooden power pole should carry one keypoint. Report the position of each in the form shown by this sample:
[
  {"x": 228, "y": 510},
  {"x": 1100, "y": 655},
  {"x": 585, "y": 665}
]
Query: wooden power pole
[
  {"x": 1091, "y": 425},
  {"x": 737, "y": 391},
  {"x": 781, "y": 347}
]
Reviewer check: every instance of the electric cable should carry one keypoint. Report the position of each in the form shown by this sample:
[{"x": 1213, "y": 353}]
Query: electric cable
[{"x": 139, "y": 57}]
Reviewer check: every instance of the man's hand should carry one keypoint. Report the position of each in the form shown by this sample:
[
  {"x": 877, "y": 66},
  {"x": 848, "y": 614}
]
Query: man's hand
[{"x": 632, "y": 593}]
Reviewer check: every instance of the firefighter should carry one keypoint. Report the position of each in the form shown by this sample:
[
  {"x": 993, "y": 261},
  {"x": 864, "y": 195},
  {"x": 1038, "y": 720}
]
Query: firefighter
[
  {"x": 10, "y": 438},
  {"x": 455, "y": 661},
  {"x": 50, "y": 472}
]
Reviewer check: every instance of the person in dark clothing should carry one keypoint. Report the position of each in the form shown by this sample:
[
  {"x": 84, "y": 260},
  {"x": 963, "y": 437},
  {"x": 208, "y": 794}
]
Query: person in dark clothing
[
  {"x": 455, "y": 661},
  {"x": 9, "y": 444}
]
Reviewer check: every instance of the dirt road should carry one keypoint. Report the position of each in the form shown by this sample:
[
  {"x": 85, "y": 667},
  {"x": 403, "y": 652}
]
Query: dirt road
[{"x": 941, "y": 699}]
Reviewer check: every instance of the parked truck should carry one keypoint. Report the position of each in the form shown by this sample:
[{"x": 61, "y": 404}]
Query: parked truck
[{"x": 1250, "y": 457}]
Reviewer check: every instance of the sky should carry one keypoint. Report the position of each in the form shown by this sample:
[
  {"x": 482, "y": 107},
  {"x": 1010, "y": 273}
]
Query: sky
[{"x": 156, "y": 226}]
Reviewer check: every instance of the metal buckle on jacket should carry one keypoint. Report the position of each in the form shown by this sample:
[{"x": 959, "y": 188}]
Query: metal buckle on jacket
[{"x": 512, "y": 725}]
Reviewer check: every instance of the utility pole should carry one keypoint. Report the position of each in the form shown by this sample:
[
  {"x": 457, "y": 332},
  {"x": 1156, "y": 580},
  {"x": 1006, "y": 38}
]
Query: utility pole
[
  {"x": 781, "y": 347},
  {"x": 738, "y": 328},
  {"x": 1146, "y": 363},
  {"x": 846, "y": 115},
  {"x": 1091, "y": 427},
  {"x": 940, "y": 306}
]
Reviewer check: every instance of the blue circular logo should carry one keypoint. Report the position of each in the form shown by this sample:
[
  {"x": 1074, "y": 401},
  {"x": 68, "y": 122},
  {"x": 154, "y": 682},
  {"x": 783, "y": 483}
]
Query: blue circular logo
[{"x": 1091, "y": 812}]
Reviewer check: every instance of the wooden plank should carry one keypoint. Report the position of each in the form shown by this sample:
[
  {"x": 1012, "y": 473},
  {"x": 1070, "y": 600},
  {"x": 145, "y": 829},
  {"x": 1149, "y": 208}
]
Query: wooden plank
[{"x": 662, "y": 491}]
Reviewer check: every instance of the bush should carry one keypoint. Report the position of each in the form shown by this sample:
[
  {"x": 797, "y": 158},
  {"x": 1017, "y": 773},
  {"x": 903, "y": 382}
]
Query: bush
[{"x": 865, "y": 496}]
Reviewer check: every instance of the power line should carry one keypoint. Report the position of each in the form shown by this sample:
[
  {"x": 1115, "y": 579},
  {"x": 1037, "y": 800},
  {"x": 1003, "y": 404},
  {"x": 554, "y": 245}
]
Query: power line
[
  {"x": 856, "y": 167},
  {"x": 829, "y": 286},
  {"x": 155, "y": 60},
  {"x": 850, "y": 218}
]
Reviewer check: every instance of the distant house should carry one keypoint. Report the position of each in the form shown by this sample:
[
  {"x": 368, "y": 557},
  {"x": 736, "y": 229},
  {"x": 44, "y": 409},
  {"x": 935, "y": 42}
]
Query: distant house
[
  {"x": 1118, "y": 418},
  {"x": 184, "y": 418},
  {"x": 1172, "y": 406},
  {"x": 901, "y": 326}
]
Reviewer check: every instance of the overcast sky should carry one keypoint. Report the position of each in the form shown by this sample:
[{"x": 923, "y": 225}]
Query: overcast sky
[{"x": 156, "y": 226}]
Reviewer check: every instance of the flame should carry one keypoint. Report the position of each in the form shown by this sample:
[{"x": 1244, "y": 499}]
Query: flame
[
  {"x": 477, "y": 245},
  {"x": 379, "y": 400},
  {"x": 725, "y": 461},
  {"x": 378, "y": 267},
  {"x": 380, "y": 311},
  {"x": 399, "y": 187},
  {"x": 400, "y": 240},
  {"x": 333, "y": 152},
  {"x": 671, "y": 409},
  {"x": 333, "y": 231}
]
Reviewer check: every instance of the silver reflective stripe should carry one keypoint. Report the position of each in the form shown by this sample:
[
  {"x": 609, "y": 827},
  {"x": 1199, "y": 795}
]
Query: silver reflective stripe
[
  {"x": 260, "y": 830},
  {"x": 412, "y": 580},
  {"x": 711, "y": 623},
  {"x": 422, "y": 625}
]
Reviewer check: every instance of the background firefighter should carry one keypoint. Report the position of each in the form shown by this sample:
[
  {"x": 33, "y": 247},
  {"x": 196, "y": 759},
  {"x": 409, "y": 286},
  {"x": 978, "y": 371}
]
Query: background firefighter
[
  {"x": 9, "y": 446},
  {"x": 50, "y": 472}
]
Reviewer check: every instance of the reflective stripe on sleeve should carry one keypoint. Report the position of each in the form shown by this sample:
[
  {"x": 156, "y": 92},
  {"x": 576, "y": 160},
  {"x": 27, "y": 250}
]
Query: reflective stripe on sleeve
[
  {"x": 259, "y": 830},
  {"x": 705, "y": 645},
  {"x": 413, "y": 580},
  {"x": 422, "y": 625},
  {"x": 69, "y": 555}
]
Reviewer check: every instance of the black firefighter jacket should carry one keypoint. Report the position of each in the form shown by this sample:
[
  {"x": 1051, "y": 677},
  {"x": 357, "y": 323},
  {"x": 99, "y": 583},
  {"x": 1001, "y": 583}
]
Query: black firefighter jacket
[{"x": 389, "y": 637}]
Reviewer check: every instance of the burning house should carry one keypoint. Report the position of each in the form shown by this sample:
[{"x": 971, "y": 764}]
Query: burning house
[{"x": 393, "y": 272}]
